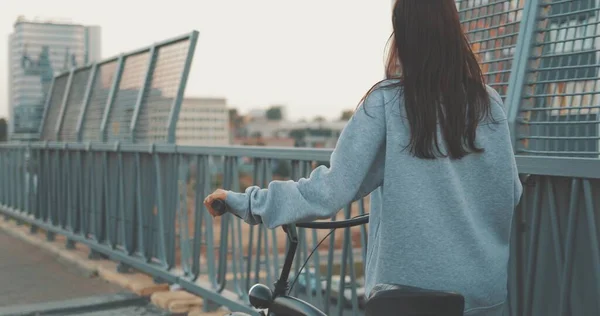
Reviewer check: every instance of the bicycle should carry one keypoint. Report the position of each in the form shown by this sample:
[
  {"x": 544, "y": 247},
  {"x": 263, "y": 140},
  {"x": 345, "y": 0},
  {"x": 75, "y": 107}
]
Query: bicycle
[{"x": 384, "y": 299}]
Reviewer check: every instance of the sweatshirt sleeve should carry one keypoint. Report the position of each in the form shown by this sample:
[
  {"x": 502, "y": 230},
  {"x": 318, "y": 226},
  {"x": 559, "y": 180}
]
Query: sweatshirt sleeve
[{"x": 356, "y": 169}]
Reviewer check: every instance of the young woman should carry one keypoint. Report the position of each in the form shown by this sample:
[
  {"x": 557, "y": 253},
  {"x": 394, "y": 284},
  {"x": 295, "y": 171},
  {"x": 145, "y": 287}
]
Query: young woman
[{"x": 432, "y": 145}]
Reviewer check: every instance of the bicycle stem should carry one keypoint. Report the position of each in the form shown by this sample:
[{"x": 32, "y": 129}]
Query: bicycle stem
[{"x": 282, "y": 284}]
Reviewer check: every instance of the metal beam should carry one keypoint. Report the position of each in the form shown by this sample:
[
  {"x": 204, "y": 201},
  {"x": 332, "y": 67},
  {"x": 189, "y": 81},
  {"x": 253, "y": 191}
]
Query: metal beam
[
  {"x": 176, "y": 107},
  {"x": 63, "y": 106},
  {"x": 86, "y": 101},
  {"x": 111, "y": 96},
  {"x": 520, "y": 65},
  {"x": 47, "y": 105},
  {"x": 584, "y": 168},
  {"x": 141, "y": 95},
  {"x": 157, "y": 44}
]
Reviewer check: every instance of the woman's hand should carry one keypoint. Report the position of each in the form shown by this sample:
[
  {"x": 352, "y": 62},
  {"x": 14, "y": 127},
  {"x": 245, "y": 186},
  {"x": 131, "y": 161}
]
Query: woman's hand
[{"x": 217, "y": 195}]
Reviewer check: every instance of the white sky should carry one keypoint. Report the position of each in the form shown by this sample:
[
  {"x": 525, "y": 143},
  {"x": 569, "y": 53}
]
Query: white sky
[{"x": 318, "y": 57}]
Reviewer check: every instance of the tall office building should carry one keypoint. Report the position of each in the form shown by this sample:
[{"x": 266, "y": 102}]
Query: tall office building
[
  {"x": 203, "y": 122},
  {"x": 39, "y": 49}
]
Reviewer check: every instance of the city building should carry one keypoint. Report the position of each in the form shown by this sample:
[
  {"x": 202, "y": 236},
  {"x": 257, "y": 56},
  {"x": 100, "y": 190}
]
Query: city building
[
  {"x": 203, "y": 122},
  {"x": 323, "y": 134},
  {"x": 38, "y": 50},
  {"x": 283, "y": 133},
  {"x": 271, "y": 127}
]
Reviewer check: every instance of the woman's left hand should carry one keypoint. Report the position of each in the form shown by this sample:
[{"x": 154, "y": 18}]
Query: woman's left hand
[{"x": 219, "y": 194}]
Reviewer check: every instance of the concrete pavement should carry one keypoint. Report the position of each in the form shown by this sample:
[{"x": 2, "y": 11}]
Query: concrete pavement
[{"x": 29, "y": 275}]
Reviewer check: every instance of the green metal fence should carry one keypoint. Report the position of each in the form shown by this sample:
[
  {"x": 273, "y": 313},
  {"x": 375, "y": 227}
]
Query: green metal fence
[
  {"x": 140, "y": 204},
  {"x": 492, "y": 28},
  {"x": 135, "y": 97},
  {"x": 559, "y": 114},
  {"x": 543, "y": 57}
]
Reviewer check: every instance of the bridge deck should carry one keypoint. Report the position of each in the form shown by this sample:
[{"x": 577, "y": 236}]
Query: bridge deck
[{"x": 30, "y": 275}]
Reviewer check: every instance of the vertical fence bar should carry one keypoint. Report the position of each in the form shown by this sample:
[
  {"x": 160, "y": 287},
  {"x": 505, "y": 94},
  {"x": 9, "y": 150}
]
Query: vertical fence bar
[
  {"x": 111, "y": 96},
  {"x": 590, "y": 211},
  {"x": 176, "y": 107},
  {"x": 162, "y": 247},
  {"x": 19, "y": 179},
  {"x": 520, "y": 65},
  {"x": 567, "y": 269},
  {"x": 533, "y": 249},
  {"x": 86, "y": 101},
  {"x": 141, "y": 95},
  {"x": 2, "y": 177}
]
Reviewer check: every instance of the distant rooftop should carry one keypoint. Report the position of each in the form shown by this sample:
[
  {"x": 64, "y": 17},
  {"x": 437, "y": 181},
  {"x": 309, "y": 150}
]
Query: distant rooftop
[
  {"x": 206, "y": 100},
  {"x": 46, "y": 20}
]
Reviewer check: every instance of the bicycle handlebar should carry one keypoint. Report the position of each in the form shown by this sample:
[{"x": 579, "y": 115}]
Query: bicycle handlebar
[
  {"x": 220, "y": 207},
  {"x": 347, "y": 223},
  {"x": 277, "y": 300}
]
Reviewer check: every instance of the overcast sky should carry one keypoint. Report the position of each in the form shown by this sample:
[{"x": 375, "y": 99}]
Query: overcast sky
[{"x": 318, "y": 57}]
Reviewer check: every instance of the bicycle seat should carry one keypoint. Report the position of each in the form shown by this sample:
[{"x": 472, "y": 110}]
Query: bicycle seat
[{"x": 402, "y": 300}]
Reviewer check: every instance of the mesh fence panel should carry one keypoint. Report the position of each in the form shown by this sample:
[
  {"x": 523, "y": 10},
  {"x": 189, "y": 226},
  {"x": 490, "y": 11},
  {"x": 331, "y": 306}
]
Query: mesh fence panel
[
  {"x": 559, "y": 114},
  {"x": 158, "y": 89},
  {"x": 492, "y": 27},
  {"x": 160, "y": 93},
  {"x": 121, "y": 112},
  {"x": 94, "y": 113},
  {"x": 54, "y": 107},
  {"x": 68, "y": 129}
]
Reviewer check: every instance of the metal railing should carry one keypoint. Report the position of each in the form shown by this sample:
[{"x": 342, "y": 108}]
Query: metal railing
[
  {"x": 543, "y": 57},
  {"x": 555, "y": 255},
  {"x": 142, "y": 206},
  {"x": 134, "y": 97},
  {"x": 560, "y": 108}
]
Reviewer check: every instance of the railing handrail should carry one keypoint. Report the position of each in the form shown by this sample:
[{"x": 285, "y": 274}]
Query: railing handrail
[{"x": 586, "y": 168}]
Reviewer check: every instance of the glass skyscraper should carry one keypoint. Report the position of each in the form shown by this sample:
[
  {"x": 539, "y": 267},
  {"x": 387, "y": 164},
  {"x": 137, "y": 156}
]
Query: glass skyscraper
[{"x": 37, "y": 51}]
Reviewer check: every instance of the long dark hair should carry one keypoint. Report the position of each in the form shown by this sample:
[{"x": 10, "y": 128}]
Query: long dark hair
[{"x": 440, "y": 77}]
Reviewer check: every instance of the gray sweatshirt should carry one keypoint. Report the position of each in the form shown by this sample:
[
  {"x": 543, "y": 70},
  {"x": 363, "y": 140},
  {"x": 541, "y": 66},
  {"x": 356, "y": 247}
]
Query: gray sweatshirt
[{"x": 438, "y": 224}]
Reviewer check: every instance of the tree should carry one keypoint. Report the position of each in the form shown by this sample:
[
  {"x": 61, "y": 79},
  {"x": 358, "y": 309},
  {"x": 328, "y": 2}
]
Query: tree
[
  {"x": 298, "y": 134},
  {"x": 319, "y": 119},
  {"x": 274, "y": 113},
  {"x": 346, "y": 115},
  {"x": 3, "y": 130},
  {"x": 236, "y": 121},
  {"x": 233, "y": 115}
]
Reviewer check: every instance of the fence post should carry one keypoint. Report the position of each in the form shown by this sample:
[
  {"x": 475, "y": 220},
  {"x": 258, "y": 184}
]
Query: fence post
[
  {"x": 111, "y": 96},
  {"x": 142, "y": 94},
  {"x": 86, "y": 101},
  {"x": 176, "y": 107},
  {"x": 520, "y": 65}
]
